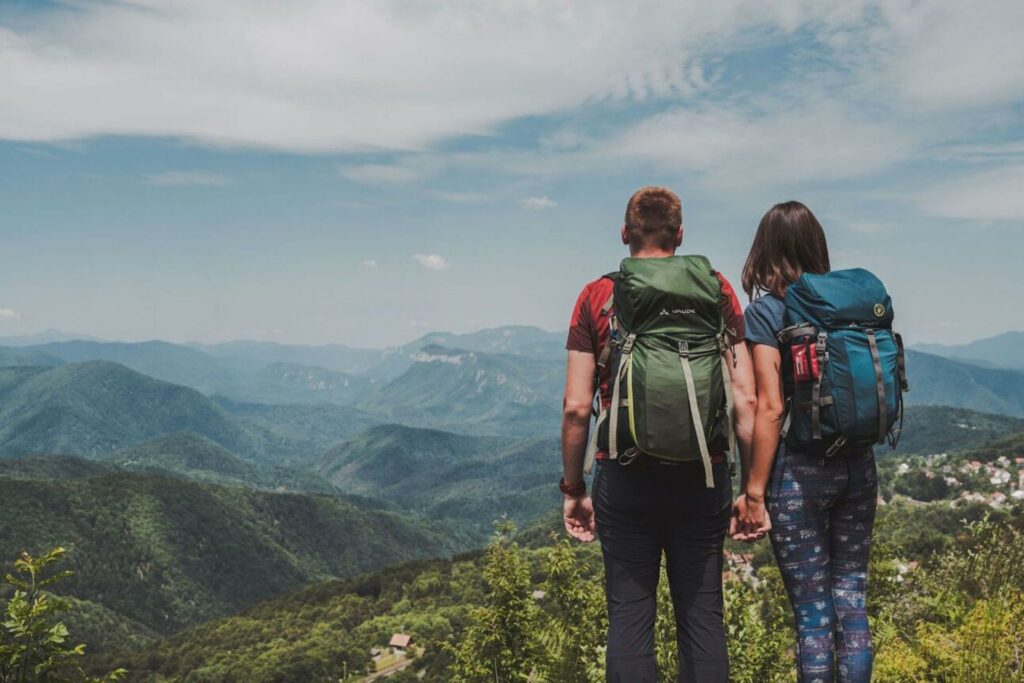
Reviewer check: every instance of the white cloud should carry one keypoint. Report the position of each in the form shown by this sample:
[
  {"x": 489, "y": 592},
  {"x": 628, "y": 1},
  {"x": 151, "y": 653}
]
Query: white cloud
[
  {"x": 368, "y": 263},
  {"x": 186, "y": 179},
  {"x": 8, "y": 314},
  {"x": 993, "y": 195},
  {"x": 463, "y": 197},
  {"x": 950, "y": 54},
  {"x": 885, "y": 81},
  {"x": 981, "y": 152},
  {"x": 432, "y": 261},
  {"x": 364, "y": 75},
  {"x": 763, "y": 143},
  {"x": 404, "y": 170},
  {"x": 538, "y": 203}
]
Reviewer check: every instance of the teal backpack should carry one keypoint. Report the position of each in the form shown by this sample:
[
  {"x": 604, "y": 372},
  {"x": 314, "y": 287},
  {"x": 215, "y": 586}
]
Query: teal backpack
[
  {"x": 843, "y": 366},
  {"x": 671, "y": 387}
]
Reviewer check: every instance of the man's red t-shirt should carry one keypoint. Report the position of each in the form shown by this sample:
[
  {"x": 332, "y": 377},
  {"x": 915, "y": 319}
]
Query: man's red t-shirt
[{"x": 589, "y": 331}]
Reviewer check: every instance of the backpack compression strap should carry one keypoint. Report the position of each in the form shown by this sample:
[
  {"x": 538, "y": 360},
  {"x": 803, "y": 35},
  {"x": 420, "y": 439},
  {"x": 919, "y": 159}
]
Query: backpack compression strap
[
  {"x": 613, "y": 420},
  {"x": 730, "y": 417},
  {"x": 901, "y": 364},
  {"x": 819, "y": 350},
  {"x": 883, "y": 408},
  {"x": 698, "y": 425},
  {"x": 588, "y": 460}
]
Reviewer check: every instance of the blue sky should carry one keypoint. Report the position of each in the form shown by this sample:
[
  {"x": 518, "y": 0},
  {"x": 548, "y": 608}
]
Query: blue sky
[{"x": 364, "y": 172}]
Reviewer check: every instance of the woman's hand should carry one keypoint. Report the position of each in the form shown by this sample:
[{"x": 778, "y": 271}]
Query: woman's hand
[
  {"x": 578, "y": 516},
  {"x": 749, "y": 519}
]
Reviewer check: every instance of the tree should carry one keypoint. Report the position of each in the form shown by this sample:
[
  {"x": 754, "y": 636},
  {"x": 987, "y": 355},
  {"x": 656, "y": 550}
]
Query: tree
[
  {"x": 34, "y": 644},
  {"x": 576, "y": 619},
  {"x": 500, "y": 645}
]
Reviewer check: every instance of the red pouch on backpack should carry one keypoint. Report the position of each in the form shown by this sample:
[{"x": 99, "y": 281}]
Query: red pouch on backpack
[{"x": 805, "y": 362}]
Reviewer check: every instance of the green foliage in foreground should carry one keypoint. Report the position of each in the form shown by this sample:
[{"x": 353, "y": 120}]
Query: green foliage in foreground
[
  {"x": 34, "y": 644},
  {"x": 950, "y": 614}
]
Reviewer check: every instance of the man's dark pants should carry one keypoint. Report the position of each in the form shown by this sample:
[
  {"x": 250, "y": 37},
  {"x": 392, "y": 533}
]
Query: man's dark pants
[{"x": 642, "y": 510}]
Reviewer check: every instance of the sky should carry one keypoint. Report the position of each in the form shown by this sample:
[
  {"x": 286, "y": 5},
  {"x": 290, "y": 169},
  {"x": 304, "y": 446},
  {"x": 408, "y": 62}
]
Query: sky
[{"x": 367, "y": 171}]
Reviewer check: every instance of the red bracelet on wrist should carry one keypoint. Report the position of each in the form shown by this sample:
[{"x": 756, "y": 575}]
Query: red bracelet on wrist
[{"x": 575, "y": 490}]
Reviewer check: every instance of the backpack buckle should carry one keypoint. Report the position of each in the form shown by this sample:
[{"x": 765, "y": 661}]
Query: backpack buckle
[
  {"x": 627, "y": 343},
  {"x": 684, "y": 349},
  {"x": 835, "y": 447}
]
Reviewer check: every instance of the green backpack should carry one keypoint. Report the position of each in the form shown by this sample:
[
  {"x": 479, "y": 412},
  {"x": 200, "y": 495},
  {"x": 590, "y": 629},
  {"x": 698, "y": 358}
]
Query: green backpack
[{"x": 671, "y": 387}]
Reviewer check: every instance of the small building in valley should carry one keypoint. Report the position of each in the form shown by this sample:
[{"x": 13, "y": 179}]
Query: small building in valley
[{"x": 400, "y": 643}]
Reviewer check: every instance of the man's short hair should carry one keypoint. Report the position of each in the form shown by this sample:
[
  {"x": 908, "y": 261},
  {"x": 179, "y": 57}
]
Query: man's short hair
[{"x": 653, "y": 218}]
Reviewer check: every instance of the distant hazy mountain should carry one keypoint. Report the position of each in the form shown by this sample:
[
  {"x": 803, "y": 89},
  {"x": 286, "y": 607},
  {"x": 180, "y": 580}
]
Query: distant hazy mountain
[
  {"x": 331, "y": 356},
  {"x": 941, "y": 429},
  {"x": 197, "y": 457},
  {"x": 386, "y": 364},
  {"x": 940, "y": 381},
  {"x": 1003, "y": 350},
  {"x": 44, "y": 337},
  {"x": 98, "y": 407},
  {"x": 291, "y": 383},
  {"x": 308, "y": 429},
  {"x": 516, "y": 339},
  {"x": 169, "y": 552},
  {"x": 473, "y": 392},
  {"x": 238, "y": 377},
  {"x": 11, "y": 356},
  {"x": 472, "y": 480},
  {"x": 158, "y": 359}
]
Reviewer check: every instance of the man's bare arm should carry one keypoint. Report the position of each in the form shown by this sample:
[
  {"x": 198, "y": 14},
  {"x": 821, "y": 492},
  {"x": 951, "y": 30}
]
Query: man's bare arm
[
  {"x": 576, "y": 406},
  {"x": 744, "y": 394},
  {"x": 577, "y": 511}
]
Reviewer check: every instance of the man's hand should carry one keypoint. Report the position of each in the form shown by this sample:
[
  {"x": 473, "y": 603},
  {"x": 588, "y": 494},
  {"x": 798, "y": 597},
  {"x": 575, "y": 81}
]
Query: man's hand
[
  {"x": 578, "y": 515},
  {"x": 749, "y": 519}
]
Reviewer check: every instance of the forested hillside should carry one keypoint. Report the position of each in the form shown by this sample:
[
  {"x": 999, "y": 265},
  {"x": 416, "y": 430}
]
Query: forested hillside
[
  {"x": 97, "y": 407},
  {"x": 464, "y": 479},
  {"x": 196, "y": 457},
  {"x": 169, "y": 552},
  {"x": 473, "y": 392},
  {"x": 939, "y": 381},
  {"x": 326, "y": 631},
  {"x": 940, "y": 429}
]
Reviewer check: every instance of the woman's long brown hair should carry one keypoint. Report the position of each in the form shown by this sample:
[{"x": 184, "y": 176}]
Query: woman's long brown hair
[{"x": 789, "y": 242}]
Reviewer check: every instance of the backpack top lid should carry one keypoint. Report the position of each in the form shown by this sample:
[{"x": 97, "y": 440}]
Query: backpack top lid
[
  {"x": 679, "y": 295},
  {"x": 842, "y": 298}
]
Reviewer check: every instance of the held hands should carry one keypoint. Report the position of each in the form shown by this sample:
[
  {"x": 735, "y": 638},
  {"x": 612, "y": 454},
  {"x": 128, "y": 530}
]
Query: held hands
[
  {"x": 749, "y": 519},
  {"x": 578, "y": 516}
]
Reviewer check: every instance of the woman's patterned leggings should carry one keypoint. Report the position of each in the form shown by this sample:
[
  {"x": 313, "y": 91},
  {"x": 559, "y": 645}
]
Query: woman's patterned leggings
[{"x": 822, "y": 512}]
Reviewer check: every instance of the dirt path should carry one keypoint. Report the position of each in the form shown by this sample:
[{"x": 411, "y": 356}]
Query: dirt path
[{"x": 394, "y": 668}]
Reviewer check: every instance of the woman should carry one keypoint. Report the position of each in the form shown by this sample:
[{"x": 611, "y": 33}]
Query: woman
[{"x": 820, "y": 511}]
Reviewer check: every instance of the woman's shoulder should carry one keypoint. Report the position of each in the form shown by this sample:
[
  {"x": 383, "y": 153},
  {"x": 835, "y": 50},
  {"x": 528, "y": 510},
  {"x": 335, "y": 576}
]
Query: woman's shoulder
[
  {"x": 768, "y": 304},
  {"x": 764, "y": 319}
]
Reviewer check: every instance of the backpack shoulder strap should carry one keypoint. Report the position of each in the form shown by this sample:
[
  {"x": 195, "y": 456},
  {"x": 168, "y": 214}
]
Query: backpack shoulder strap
[{"x": 606, "y": 310}]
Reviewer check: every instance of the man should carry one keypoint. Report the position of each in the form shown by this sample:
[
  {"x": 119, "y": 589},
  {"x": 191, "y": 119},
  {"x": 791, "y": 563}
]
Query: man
[{"x": 653, "y": 506}]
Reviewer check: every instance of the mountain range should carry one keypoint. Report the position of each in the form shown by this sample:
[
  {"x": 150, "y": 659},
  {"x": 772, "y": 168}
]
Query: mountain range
[
  {"x": 189, "y": 482},
  {"x": 1003, "y": 350},
  {"x": 935, "y": 380}
]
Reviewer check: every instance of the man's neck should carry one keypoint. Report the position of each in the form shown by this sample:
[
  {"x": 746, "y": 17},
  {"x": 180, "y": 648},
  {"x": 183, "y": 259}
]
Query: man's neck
[{"x": 652, "y": 253}]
